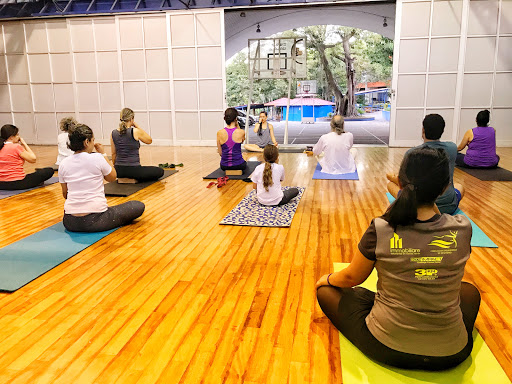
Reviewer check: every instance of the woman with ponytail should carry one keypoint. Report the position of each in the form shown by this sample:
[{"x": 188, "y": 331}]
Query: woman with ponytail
[
  {"x": 267, "y": 179},
  {"x": 334, "y": 150},
  {"x": 81, "y": 176},
  {"x": 13, "y": 154},
  {"x": 67, "y": 125},
  {"x": 124, "y": 143},
  {"x": 481, "y": 143},
  {"x": 422, "y": 315}
]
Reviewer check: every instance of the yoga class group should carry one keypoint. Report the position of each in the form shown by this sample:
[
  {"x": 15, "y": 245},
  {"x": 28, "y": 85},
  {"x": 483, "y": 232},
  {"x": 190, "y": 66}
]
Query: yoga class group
[{"x": 422, "y": 315}]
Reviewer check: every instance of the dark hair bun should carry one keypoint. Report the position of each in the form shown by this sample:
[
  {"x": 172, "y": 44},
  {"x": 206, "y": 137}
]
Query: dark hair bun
[{"x": 78, "y": 136}]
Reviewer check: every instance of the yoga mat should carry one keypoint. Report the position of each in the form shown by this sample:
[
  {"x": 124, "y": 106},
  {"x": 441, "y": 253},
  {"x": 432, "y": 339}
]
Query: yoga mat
[
  {"x": 116, "y": 189},
  {"x": 319, "y": 175},
  {"x": 478, "y": 239},
  {"x": 27, "y": 259},
  {"x": 284, "y": 150},
  {"x": 493, "y": 174},
  {"x": 480, "y": 367},
  {"x": 251, "y": 166},
  {"x": 251, "y": 213},
  {"x": 50, "y": 181}
]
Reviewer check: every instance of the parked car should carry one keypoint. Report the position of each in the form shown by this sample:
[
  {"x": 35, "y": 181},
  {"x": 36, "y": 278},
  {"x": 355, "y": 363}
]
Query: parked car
[{"x": 242, "y": 117}]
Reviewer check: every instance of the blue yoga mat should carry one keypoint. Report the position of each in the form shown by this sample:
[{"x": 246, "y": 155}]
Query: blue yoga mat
[
  {"x": 479, "y": 238},
  {"x": 328, "y": 176},
  {"x": 31, "y": 257},
  {"x": 50, "y": 181}
]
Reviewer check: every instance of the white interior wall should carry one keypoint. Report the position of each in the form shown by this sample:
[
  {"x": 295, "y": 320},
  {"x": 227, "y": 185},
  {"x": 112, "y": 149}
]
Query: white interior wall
[
  {"x": 453, "y": 58},
  {"x": 167, "y": 67}
]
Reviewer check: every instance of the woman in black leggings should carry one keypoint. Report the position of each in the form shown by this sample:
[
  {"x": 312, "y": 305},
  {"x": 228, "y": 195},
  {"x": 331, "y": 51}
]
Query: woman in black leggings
[
  {"x": 81, "y": 176},
  {"x": 13, "y": 154},
  {"x": 125, "y": 146},
  {"x": 422, "y": 315}
]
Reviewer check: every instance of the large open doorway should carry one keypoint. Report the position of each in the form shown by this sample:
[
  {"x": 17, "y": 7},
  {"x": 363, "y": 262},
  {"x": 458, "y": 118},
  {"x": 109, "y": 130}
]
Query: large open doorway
[{"x": 372, "y": 94}]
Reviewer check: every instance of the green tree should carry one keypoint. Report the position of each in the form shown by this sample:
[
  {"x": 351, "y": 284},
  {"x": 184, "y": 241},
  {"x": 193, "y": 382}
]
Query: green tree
[
  {"x": 264, "y": 90},
  {"x": 338, "y": 58}
]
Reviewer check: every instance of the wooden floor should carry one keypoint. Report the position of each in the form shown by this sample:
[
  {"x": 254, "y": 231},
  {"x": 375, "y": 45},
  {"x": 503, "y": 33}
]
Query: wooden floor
[{"x": 178, "y": 298}]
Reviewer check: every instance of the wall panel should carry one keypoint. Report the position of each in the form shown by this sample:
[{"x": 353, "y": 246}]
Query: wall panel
[
  {"x": 468, "y": 65},
  {"x": 168, "y": 67}
]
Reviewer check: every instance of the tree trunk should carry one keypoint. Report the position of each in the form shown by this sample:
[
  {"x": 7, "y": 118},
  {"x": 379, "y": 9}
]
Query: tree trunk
[
  {"x": 340, "y": 100},
  {"x": 351, "y": 79}
]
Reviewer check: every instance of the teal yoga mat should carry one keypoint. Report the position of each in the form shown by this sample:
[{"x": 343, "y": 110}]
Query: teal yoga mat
[
  {"x": 31, "y": 257},
  {"x": 481, "y": 367},
  {"x": 479, "y": 238}
]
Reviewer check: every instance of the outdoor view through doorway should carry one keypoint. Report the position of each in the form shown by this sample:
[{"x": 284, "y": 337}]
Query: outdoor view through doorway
[{"x": 348, "y": 72}]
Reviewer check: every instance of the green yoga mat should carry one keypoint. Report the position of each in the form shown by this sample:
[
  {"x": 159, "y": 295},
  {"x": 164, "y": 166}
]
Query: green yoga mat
[
  {"x": 478, "y": 239},
  {"x": 481, "y": 367},
  {"x": 27, "y": 259}
]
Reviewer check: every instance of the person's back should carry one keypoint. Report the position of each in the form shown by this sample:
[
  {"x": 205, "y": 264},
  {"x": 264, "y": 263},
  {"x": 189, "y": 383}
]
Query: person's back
[
  {"x": 274, "y": 194},
  {"x": 231, "y": 149},
  {"x": 420, "y": 268},
  {"x": 448, "y": 202},
  {"x": 127, "y": 148},
  {"x": 481, "y": 150},
  {"x": 422, "y": 315},
  {"x": 336, "y": 148},
  {"x": 83, "y": 173},
  {"x": 11, "y": 164},
  {"x": 67, "y": 125}
]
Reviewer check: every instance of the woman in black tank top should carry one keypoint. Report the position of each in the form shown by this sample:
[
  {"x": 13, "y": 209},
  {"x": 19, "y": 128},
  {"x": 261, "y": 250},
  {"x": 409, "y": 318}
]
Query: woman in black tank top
[{"x": 125, "y": 144}]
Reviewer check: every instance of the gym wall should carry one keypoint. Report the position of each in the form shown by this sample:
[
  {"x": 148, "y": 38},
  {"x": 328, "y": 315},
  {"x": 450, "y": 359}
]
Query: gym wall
[
  {"x": 453, "y": 58},
  {"x": 167, "y": 67}
]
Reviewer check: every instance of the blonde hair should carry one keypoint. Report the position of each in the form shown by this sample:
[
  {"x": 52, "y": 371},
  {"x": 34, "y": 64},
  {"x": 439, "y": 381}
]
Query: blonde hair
[
  {"x": 68, "y": 124},
  {"x": 270, "y": 155},
  {"x": 338, "y": 124},
  {"x": 125, "y": 116}
]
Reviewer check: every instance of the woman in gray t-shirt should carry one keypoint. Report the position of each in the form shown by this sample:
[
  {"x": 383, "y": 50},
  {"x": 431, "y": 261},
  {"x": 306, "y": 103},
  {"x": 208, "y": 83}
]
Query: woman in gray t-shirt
[{"x": 422, "y": 315}]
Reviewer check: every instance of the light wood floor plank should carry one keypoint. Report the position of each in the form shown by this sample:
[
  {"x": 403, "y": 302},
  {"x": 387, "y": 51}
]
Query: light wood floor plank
[{"x": 178, "y": 298}]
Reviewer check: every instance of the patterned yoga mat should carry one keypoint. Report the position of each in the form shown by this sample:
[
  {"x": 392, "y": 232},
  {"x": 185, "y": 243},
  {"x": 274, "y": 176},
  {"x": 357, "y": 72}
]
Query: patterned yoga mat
[{"x": 251, "y": 213}]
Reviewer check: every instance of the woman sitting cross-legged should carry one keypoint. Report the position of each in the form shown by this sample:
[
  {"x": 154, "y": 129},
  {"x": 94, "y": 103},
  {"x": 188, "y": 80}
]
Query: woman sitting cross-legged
[
  {"x": 264, "y": 135},
  {"x": 267, "y": 179},
  {"x": 81, "y": 176},
  {"x": 125, "y": 146},
  {"x": 422, "y": 315},
  {"x": 13, "y": 154},
  {"x": 229, "y": 143},
  {"x": 481, "y": 143}
]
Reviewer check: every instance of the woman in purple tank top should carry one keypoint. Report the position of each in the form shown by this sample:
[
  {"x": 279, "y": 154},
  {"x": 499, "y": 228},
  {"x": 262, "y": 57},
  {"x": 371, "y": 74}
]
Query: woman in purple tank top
[
  {"x": 481, "y": 143},
  {"x": 229, "y": 143}
]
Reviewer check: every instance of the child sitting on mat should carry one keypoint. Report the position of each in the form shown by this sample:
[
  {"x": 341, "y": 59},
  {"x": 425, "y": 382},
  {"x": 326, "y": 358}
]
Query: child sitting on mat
[
  {"x": 422, "y": 315},
  {"x": 267, "y": 179},
  {"x": 81, "y": 176}
]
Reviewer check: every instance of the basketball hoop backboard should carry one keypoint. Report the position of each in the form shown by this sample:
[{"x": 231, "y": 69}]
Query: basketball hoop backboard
[
  {"x": 277, "y": 58},
  {"x": 307, "y": 87}
]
